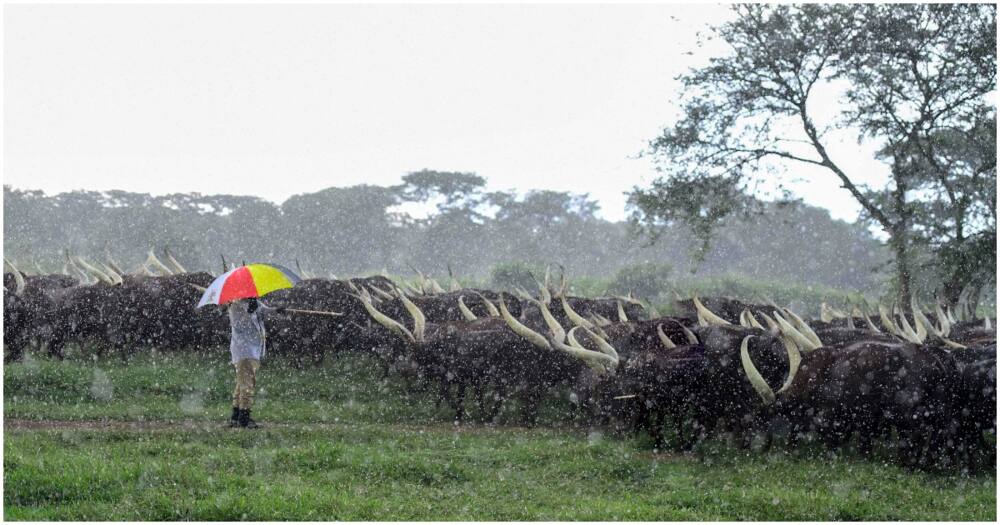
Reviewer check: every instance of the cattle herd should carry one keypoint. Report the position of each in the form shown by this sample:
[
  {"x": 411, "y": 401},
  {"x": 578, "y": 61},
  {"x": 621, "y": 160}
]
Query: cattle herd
[{"x": 917, "y": 382}]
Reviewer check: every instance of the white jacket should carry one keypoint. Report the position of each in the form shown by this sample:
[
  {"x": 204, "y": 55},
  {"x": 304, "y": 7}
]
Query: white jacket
[{"x": 248, "y": 336}]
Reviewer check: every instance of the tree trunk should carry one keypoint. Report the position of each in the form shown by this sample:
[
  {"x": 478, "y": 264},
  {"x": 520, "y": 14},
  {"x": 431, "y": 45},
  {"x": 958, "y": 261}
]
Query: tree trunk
[
  {"x": 900, "y": 234},
  {"x": 902, "y": 254},
  {"x": 952, "y": 288}
]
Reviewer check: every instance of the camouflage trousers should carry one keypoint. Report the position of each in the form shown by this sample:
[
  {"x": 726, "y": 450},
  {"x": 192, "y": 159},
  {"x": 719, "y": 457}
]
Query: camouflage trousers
[{"x": 246, "y": 382}]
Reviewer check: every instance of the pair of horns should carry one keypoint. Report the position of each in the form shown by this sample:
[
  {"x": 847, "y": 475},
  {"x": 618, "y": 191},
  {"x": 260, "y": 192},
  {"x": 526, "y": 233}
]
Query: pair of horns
[
  {"x": 668, "y": 343},
  {"x": 425, "y": 284},
  {"x": 757, "y": 380},
  {"x": 602, "y": 361},
  {"x": 106, "y": 274},
  {"x": 924, "y": 328},
  {"x": 418, "y": 325},
  {"x": 827, "y": 313},
  {"x": 467, "y": 313},
  {"x": 795, "y": 329},
  {"x": 748, "y": 320}
]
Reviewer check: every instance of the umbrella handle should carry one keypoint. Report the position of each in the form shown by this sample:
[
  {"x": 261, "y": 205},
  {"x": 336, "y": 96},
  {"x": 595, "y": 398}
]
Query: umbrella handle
[{"x": 313, "y": 312}]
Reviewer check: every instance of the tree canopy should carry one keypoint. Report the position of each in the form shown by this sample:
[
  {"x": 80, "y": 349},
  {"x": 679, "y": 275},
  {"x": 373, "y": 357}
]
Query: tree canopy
[{"x": 914, "y": 81}]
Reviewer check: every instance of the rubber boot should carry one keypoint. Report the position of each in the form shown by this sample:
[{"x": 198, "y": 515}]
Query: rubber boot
[{"x": 245, "y": 420}]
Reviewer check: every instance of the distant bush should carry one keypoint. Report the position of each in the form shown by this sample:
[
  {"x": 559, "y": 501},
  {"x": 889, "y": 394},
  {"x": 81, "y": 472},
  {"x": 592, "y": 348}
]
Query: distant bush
[
  {"x": 509, "y": 275},
  {"x": 584, "y": 286},
  {"x": 648, "y": 281},
  {"x": 804, "y": 299}
]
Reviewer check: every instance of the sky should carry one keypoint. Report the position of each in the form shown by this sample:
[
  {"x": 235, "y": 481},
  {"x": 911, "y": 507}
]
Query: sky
[{"x": 278, "y": 100}]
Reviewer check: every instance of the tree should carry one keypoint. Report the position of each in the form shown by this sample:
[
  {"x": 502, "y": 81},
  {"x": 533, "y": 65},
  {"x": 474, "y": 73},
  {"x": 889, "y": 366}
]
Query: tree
[
  {"x": 911, "y": 71},
  {"x": 459, "y": 190},
  {"x": 959, "y": 223},
  {"x": 347, "y": 228}
]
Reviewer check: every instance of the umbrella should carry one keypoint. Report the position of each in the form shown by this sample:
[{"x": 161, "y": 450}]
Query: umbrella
[{"x": 252, "y": 280}]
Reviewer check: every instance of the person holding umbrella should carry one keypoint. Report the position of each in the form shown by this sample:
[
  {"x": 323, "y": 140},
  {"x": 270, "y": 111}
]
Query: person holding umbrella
[
  {"x": 240, "y": 288},
  {"x": 247, "y": 346}
]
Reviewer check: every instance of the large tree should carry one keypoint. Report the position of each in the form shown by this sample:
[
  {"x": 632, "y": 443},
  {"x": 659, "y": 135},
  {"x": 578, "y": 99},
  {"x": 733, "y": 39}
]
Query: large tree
[{"x": 912, "y": 79}]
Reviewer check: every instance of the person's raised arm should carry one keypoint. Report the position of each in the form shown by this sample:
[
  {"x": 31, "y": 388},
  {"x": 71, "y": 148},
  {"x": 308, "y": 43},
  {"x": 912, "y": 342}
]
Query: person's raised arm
[{"x": 267, "y": 309}]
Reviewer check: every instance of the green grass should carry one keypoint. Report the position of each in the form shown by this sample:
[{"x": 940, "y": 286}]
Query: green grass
[{"x": 341, "y": 445}]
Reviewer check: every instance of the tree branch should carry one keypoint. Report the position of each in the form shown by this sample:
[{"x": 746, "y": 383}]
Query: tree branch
[{"x": 846, "y": 182}]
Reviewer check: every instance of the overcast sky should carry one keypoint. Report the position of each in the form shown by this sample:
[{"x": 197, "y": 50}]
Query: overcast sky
[{"x": 275, "y": 100}]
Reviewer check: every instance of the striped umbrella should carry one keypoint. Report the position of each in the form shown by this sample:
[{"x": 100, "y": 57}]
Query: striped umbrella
[{"x": 252, "y": 280}]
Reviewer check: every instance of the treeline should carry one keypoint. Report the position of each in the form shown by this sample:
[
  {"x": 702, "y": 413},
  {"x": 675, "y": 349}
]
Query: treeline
[{"x": 361, "y": 229}]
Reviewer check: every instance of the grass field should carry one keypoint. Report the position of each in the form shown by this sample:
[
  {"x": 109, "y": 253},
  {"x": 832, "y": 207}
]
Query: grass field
[{"x": 96, "y": 440}]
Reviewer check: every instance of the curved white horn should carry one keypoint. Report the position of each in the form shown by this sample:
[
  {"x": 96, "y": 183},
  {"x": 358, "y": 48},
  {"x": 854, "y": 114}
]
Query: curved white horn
[
  {"x": 824, "y": 313},
  {"x": 93, "y": 270},
  {"x": 754, "y": 323},
  {"x": 435, "y": 286},
  {"x": 554, "y": 327},
  {"x": 772, "y": 325},
  {"x": 707, "y": 314},
  {"x": 603, "y": 321},
  {"x": 532, "y": 336},
  {"x": 952, "y": 344},
  {"x": 621, "y": 313},
  {"x": 19, "y": 282},
  {"x": 599, "y": 361},
  {"x": 883, "y": 314},
  {"x": 794, "y": 360},
  {"x": 804, "y": 328},
  {"x": 951, "y": 317},
  {"x": 756, "y": 380},
  {"x": 543, "y": 289},
  {"x": 942, "y": 318},
  {"x": 868, "y": 321},
  {"x": 419, "y": 321},
  {"x": 576, "y": 318},
  {"x": 908, "y": 331},
  {"x": 663, "y": 338},
  {"x": 692, "y": 339},
  {"x": 382, "y": 319},
  {"x": 595, "y": 324},
  {"x": 171, "y": 260},
  {"x": 489, "y": 306},
  {"x": 114, "y": 266},
  {"x": 155, "y": 263},
  {"x": 115, "y": 278},
  {"x": 795, "y": 335},
  {"x": 921, "y": 323},
  {"x": 628, "y": 298},
  {"x": 384, "y": 295},
  {"x": 466, "y": 313},
  {"x": 602, "y": 344},
  {"x": 82, "y": 275}
]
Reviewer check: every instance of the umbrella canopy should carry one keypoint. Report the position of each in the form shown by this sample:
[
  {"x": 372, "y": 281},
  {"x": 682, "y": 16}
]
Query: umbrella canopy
[{"x": 252, "y": 280}]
